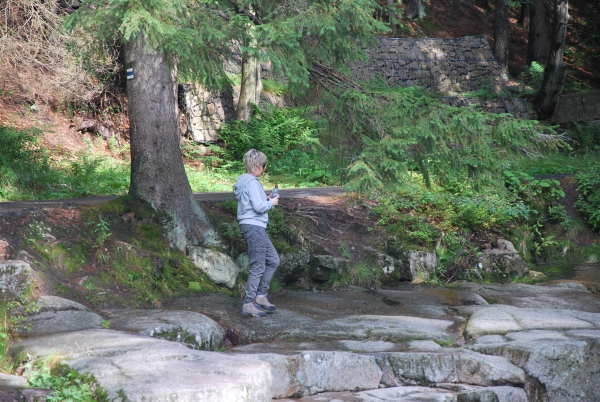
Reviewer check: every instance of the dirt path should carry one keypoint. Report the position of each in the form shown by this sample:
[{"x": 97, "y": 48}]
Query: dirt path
[{"x": 74, "y": 202}]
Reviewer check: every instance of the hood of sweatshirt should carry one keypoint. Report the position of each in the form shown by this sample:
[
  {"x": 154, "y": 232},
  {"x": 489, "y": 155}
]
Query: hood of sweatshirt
[{"x": 242, "y": 182}]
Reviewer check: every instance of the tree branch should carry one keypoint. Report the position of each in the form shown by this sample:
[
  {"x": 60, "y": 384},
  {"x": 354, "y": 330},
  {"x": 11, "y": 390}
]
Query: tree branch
[{"x": 241, "y": 10}]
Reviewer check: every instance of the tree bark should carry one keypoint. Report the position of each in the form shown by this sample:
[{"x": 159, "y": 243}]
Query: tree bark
[
  {"x": 554, "y": 75},
  {"x": 392, "y": 16},
  {"x": 524, "y": 15},
  {"x": 251, "y": 87},
  {"x": 501, "y": 36},
  {"x": 540, "y": 31},
  {"x": 157, "y": 173},
  {"x": 415, "y": 9}
]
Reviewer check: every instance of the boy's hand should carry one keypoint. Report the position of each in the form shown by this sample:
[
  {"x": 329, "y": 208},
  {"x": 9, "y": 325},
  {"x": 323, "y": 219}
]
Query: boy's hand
[{"x": 274, "y": 201}]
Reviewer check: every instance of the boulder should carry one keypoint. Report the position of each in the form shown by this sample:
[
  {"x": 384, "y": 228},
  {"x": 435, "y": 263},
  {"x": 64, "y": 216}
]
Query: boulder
[
  {"x": 536, "y": 275},
  {"x": 502, "y": 260},
  {"x": 292, "y": 266},
  {"x": 390, "y": 267},
  {"x": 422, "y": 264},
  {"x": 16, "y": 389},
  {"x": 312, "y": 372},
  {"x": 560, "y": 366},
  {"x": 54, "y": 315},
  {"x": 4, "y": 250},
  {"x": 500, "y": 319},
  {"x": 194, "y": 330},
  {"x": 449, "y": 366},
  {"x": 422, "y": 394},
  {"x": 493, "y": 394},
  {"x": 138, "y": 368},
  {"x": 219, "y": 267},
  {"x": 412, "y": 265},
  {"x": 322, "y": 267},
  {"x": 15, "y": 279}
]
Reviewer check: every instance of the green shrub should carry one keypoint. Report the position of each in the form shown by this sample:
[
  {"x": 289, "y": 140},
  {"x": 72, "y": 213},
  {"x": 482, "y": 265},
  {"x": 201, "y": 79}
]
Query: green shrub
[
  {"x": 24, "y": 166},
  {"x": 273, "y": 131},
  {"x": 408, "y": 130},
  {"x": 288, "y": 138},
  {"x": 68, "y": 384},
  {"x": 586, "y": 135},
  {"x": 588, "y": 202},
  {"x": 28, "y": 172}
]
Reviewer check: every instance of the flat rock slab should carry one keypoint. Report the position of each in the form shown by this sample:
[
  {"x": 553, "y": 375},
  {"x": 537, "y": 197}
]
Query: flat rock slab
[
  {"x": 16, "y": 389},
  {"x": 565, "y": 366},
  {"x": 421, "y": 394},
  {"x": 455, "y": 366},
  {"x": 342, "y": 346},
  {"x": 328, "y": 316},
  {"x": 564, "y": 295},
  {"x": 306, "y": 372},
  {"x": 56, "y": 315},
  {"x": 316, "y": 371},
  {"x": 500, "y": 319},
  {"x": 194, "y": 330},
  {"x": 136, "y": 368}
]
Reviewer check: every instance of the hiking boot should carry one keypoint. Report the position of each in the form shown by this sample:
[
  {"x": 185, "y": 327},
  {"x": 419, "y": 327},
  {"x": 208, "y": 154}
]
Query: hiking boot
[
  {"x": 253, "y": 310},
  {"x": 265, "y": 304}
]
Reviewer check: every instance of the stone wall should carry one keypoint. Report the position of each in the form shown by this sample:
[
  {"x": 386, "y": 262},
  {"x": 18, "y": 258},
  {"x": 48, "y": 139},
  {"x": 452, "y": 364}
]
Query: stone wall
[
  {"x": 581, "y": 106},
  {"x": 205, "y": 111},
  {"x": 450, "y": 67}
]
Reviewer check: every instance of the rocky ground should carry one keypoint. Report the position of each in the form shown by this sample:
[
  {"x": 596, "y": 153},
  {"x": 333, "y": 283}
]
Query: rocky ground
[{"x": 467, "y": 342}]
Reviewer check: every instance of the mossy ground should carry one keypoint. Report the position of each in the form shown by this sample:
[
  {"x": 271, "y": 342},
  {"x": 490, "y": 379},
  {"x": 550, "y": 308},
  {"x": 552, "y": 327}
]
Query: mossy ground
[{"x": 107, "y": 256}]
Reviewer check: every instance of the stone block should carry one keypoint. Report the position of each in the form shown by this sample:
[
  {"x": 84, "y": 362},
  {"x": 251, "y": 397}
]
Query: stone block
[
  {"x": 15, "y": 279},
  {"x": 292, "y": 266},
  {"x": 211, "y": 108},
  {"x": 503, "y": 260},
  {"x": 313, "y": 372},
  {"x": 4, "y": 250},
  {"x": 189, "y": 328},
  {"x": 322, "y": 267},
  {"x": 219, "y": 267}
]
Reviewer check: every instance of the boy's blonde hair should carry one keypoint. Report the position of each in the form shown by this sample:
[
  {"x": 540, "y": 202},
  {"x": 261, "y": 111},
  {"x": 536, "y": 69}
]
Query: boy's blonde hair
[{"x": 254, "y": 158}]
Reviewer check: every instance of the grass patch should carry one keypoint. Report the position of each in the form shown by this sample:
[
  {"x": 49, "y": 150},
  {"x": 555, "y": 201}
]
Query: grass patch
[
  {"x": 68, "y": 384},
  {"x": 28, "y": 172},
  {"x": 122, "y": 254}
]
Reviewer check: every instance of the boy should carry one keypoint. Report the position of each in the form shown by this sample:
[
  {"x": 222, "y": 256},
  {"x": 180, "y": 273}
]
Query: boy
[{"x": 253, "y": 216}]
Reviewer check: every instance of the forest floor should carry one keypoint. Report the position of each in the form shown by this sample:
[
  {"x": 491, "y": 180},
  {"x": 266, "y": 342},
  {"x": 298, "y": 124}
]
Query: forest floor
[{"x": 322, "y": 222}]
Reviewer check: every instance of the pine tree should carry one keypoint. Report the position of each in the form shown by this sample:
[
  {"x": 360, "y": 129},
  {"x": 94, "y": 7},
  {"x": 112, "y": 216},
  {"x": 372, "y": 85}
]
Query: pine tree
[
  {"x": 296, "y": 35},
  {"x": 189, "y": 40}
]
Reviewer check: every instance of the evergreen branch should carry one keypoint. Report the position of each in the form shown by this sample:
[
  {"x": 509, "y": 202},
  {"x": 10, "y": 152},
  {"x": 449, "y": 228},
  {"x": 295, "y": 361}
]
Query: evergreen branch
[
  {"x": 335, "y": 79},
  {"x": 554, "y": 139},
  {"x": 220, "y": 13},
  {"x": 241, "y": 10}
]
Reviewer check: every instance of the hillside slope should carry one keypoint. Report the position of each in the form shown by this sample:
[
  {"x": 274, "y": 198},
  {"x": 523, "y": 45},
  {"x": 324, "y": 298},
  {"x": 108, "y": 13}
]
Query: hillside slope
[{"x": 26, "y": 100}]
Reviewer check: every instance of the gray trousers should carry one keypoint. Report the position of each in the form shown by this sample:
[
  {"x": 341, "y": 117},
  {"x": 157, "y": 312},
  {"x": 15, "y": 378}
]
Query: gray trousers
[{"x": 263, "y": 261}]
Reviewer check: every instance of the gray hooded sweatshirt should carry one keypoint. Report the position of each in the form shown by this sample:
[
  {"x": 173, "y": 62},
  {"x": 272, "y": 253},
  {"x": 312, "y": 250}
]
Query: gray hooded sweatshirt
[{"x": 253, "y": 206}]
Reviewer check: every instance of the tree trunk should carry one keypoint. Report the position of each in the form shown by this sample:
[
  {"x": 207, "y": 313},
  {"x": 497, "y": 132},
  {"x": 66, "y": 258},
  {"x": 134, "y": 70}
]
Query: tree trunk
[
  {"x": 501, "y": 36},
  {"x": 540, "y": 31},
  {"x": 251, "y": 87},
  {"x": 392, "y": 16},
  {"x": 157, "y": 173},
  {"x": 554, "y": 75},
  {"x": 415, "y": 9},
  {"x": 524, "y": 15}
]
